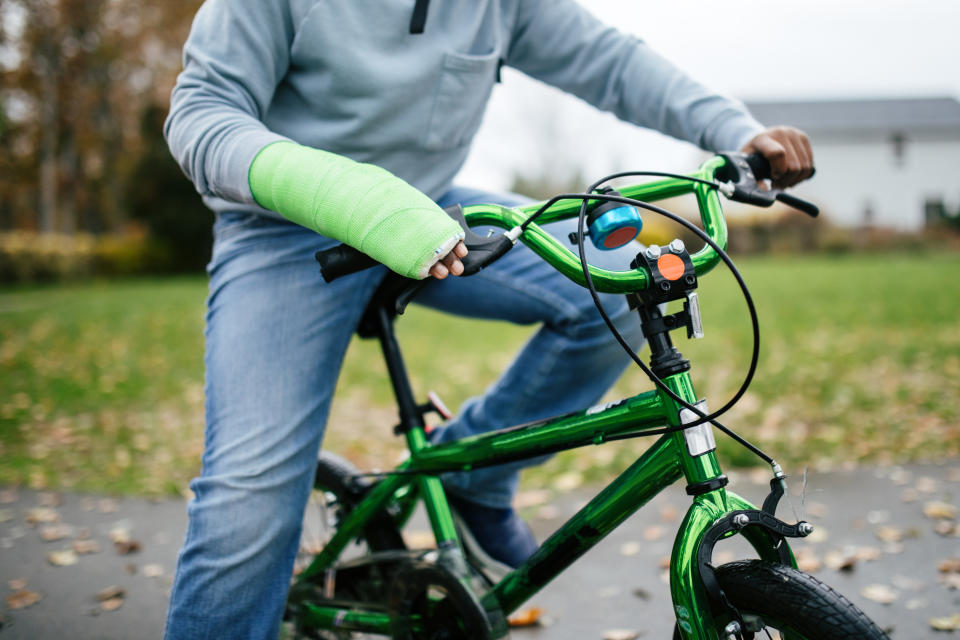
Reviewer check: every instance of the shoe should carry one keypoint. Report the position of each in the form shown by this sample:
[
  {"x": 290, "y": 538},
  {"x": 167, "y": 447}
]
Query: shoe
[{"x": 498, "y": 539}]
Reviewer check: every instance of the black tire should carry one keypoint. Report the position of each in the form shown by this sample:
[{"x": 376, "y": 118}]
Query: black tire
[
  {"x": 798, "y": 605},
  {"x": 337, "y": 490},
  {"x": 338, "y": 477}
]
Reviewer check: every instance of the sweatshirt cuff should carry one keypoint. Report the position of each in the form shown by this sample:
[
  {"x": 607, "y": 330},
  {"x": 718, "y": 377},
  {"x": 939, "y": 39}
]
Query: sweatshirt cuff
[{"x": 233, "y": 169}]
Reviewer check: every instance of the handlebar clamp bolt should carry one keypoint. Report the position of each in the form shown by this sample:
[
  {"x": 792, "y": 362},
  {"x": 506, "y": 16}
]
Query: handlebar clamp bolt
[
  {"x": 677, "y": 245},
  {"x": 653, "y": 251}
]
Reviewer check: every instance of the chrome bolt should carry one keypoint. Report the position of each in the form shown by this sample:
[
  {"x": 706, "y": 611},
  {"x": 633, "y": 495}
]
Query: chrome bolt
[
  {"x": 677, "y": 246},
  {"x": 732, "y": 629},
  {"x": 653, "y": 251},
  {"x": 805, "y": 528},
  {"x": 741, "y": 520}
]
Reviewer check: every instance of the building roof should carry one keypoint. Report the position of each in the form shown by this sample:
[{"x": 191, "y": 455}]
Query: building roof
[{"x": 863, "y": 116}]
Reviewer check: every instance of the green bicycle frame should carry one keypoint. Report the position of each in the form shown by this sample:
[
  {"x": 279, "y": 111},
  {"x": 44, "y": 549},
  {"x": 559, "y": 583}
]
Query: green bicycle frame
[{"x": 688, "y": 454}]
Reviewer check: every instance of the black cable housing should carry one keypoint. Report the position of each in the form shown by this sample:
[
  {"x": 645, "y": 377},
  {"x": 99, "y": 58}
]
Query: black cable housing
[{"x": 703, "y": 418}]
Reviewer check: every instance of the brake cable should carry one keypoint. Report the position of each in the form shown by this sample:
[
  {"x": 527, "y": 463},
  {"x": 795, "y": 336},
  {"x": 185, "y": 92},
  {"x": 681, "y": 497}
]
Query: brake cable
[{"x": 703, "y": 417}]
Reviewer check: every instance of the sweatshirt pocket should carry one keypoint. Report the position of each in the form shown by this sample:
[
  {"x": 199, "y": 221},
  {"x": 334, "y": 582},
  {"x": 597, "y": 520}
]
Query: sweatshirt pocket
[{"x": 463, "y": 89}]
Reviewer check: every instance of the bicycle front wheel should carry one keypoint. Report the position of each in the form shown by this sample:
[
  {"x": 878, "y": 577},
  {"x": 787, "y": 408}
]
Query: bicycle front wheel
[{"x": 782, "y": 603}]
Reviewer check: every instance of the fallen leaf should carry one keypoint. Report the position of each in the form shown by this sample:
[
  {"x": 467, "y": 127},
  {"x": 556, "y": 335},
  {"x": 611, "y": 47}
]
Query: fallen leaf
[
  {"x": 910, "y": 495},
  {"x": 669, "y": 513},
  {"x": 526, "y": 617},
  {"x": 630, "y": 548},
  {"x": 878, "y": 516},
  {"x": 568, "y": 481},
  {"x": 112, "y": 604},
  {"x": 879, "y": 593},
  {"x": 946, "y": 529},
  {"x": 152, "y": 570},
  {"x": 531, "y": 498},
  {"x": 128, "y": 547},
  {"x": 120, "y": 534},
  {"x": 83, "y": 547},
  {"x": 808, "y": 561},
  {"x": 52, "y": 533},
  {"x": 868, "y": 554},
  {"x": 42, "y": 515},
  {"x": 22, "y": 599},
  {"x": 48, "y": 499},
  {"x": 888, "y": 534},
  {"x": 951, "y": 623},
  {"x": 927, "y": 485},
  {"x": 419, "y": 539},
  {"x": 17, "y": 584},
  {"x": 952, "y": 565},
  {"x": 620, "y": 634},
  {"x": 548, "y": 512},
  {"x": 108, "y": 505},
  {"x": 62, "y": 558},
  {"x": 840, "y": 561},
  {"x": 651, "y": 534},
  {"x": 113, "y": 591},
  {"x": 951, "y": 581},
  {"x": 917, "y": 603},
  {"x": 940, "y": 511},
  {"x": 663, "y": 562}
]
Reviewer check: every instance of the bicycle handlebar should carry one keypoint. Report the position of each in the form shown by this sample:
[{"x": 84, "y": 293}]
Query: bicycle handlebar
[{"x": 738, "y": 175}]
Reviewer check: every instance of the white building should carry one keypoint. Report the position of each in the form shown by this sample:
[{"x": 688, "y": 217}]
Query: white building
[{"x": 879, "y": 162}]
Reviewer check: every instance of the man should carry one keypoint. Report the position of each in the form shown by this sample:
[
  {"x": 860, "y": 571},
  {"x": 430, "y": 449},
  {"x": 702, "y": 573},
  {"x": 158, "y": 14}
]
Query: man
[{"x": 304, "y": 123}]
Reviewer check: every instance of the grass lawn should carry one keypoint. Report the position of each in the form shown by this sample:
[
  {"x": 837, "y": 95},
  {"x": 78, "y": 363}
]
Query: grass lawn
[{"x": 101, "y": 384}]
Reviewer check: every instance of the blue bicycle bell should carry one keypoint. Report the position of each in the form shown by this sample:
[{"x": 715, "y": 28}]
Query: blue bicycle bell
[{"x": 611, "y": 225}]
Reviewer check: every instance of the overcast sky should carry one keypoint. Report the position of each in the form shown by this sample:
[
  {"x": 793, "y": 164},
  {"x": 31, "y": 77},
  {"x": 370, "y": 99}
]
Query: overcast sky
[{"x": 747, "y": 48}]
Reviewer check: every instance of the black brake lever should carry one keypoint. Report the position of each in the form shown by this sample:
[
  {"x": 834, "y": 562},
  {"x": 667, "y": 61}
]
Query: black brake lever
[{"x": 745, "y": 171}]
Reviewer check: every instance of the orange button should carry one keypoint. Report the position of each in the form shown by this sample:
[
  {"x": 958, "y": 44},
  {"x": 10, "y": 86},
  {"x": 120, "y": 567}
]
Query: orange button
[{"x": 671, "y": 266}]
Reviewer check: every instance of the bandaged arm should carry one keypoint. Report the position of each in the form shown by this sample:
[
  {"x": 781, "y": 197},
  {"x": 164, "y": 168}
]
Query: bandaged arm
[{"x": 359, "y": 204}]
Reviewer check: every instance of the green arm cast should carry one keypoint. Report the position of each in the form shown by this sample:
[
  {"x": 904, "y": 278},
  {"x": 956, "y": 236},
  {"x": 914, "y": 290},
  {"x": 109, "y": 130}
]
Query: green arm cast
[{"x": 361, "y": 205}]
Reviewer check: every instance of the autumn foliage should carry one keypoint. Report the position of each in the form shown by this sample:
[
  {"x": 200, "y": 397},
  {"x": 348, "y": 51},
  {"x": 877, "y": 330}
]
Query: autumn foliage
[{"x": 79, "y": 80}]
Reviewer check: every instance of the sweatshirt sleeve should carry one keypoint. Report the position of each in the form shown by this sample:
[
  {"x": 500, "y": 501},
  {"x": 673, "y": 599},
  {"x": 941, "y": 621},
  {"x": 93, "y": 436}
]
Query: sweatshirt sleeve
[
  {"x": 562, "y": 44},
  {"x": 236, "y": 54}
]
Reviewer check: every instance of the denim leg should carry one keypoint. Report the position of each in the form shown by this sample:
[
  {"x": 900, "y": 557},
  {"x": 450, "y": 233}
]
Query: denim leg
[
  {"x": 568, "y": 364},
  {"x": 275, "y": 339}
]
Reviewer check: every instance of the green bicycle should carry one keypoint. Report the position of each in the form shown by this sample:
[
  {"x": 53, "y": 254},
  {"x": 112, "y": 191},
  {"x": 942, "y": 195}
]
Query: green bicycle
[{"x": 364, "y": 580}]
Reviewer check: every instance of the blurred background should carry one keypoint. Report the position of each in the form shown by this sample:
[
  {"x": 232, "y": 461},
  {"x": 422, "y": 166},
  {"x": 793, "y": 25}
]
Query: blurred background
[{"x": 103, "y": 242}]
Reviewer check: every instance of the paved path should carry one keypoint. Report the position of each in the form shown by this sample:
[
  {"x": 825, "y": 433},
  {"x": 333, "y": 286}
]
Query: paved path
[{"x": 617, "y": 585}]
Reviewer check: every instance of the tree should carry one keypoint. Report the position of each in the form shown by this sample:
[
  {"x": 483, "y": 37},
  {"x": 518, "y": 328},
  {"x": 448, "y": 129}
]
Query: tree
[{"x": 82, "y": 73}]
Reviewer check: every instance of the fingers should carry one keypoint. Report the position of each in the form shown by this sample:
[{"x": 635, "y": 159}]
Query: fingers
[
  {"x": 789, "y": 153},
  {"x": 450, "y": 263}
]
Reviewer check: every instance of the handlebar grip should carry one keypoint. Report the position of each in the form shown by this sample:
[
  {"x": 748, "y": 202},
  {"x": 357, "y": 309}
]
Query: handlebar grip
[
  {"x": 759, "y": 165},
  {"x": 342, "y": 260},
  {"x": 798, "y": 203}
]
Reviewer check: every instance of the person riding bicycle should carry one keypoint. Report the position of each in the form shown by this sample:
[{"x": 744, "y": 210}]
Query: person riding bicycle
[{"x": 304, "y": 124}]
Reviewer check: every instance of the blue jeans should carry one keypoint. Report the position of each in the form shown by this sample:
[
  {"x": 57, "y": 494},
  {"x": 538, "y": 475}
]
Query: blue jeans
[{"x": 276, "y": 336}]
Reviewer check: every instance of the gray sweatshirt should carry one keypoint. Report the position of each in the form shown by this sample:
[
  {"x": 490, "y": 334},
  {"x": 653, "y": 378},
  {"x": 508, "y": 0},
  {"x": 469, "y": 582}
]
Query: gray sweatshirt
[{"x": 348, "y": 76}]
